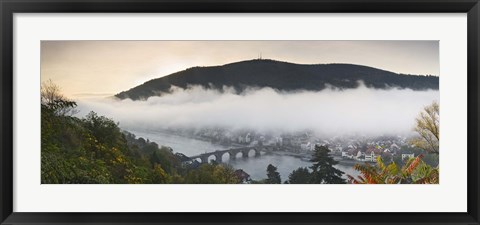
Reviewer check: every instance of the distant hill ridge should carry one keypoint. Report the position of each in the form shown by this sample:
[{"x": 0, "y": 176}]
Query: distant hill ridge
[{"x": 284, "y": 76}]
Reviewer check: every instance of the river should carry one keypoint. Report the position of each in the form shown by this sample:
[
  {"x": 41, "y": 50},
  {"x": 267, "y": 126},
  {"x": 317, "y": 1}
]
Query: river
[{"x": 255, "y": 166}]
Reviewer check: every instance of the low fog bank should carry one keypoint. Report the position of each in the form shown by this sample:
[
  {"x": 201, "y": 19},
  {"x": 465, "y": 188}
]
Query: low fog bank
[{"x": 329, "y": 112}]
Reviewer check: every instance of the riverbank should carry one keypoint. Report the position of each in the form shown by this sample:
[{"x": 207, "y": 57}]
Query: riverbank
[{"x": 286, "y": 162}]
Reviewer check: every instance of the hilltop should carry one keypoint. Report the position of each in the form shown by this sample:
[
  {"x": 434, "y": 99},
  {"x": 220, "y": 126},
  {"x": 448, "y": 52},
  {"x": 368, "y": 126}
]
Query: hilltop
[{"x": 284, "y": 76}]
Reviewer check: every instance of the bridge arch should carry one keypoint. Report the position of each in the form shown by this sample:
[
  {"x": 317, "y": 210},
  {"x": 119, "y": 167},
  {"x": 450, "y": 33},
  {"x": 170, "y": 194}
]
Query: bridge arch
[
  {"x": 226, "y": 156},
  {"x": 200, "y": 159},
  {"x": 237, "y": 155},
  {"x": 212, "y": 157},
  {"x": 220, "y": 156},
  {"x": 262, "y": 150},
  {"x": 253, "y": 152}
]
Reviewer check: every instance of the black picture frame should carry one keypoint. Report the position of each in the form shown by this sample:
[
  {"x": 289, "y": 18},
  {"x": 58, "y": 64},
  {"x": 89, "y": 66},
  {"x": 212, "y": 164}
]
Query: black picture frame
[{"x": 9, "y": 7}]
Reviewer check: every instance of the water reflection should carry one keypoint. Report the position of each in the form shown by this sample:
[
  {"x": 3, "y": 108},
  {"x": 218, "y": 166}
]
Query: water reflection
[{"x": 257, "y": 166}]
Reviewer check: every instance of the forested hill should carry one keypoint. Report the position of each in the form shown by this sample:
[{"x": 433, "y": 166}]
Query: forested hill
[{"x": 281, "y": 76}]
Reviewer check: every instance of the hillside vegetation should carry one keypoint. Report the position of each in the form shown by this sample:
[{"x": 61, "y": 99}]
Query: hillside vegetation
[
  {"x": 281, "y": 76},
  {"x": 94, "y": 150}
]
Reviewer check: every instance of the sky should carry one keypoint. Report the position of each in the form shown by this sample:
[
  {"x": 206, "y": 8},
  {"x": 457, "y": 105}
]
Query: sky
[{"x": 97, "y": 68}]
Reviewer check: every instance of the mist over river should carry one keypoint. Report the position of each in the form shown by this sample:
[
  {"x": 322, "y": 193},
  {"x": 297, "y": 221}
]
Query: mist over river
[
  {"x": 255, "y": 166},
  {"x": 331, "y": 112}
]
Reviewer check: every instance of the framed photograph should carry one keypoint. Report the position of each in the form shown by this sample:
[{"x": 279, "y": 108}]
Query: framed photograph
[{"x": 231, "y": 112}]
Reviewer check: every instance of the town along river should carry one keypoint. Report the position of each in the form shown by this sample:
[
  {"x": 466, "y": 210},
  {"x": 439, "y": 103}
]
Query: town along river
[{"x": 255, "y": 166}]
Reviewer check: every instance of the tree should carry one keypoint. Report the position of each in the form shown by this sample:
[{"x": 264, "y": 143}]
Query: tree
[
  {"x": 50, "y": 92},
  {"x": 273, "y": 177},
  {"x": 415, "y": 171},
  {"x": 104, "y": 129},
  {"x": 95, "y": 150},
  {"x": 52, "y": 99},
  {"x": 379, "y": 174},
  {"x": 299, "y": 176},
  {"x": 159, "y": 176},
  {"x": 212, "y": 174},
  {"x": 428, "y": 126},
  {"x": 323, "y": 171}
]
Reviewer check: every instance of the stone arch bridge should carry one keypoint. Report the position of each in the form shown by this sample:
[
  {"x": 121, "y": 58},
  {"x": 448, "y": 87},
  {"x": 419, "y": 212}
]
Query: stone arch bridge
[{"x": 233, "y": 153}]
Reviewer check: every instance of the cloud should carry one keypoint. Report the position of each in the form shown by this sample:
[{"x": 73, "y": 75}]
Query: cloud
[{"x": 331, "y": 111}]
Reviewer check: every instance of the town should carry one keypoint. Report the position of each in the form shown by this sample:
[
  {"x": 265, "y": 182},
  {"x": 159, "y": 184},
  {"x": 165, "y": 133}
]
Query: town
[{"x": 345, "y": 149}]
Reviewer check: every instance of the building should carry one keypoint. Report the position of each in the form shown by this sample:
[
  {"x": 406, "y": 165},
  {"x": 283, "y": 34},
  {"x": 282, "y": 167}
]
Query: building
[
  {"x": 370, "y": 156},
  {"x": 242, "y": 176},
  {"x": 307, "y": 146},
  {"x": 407, "y": 156},
  {"x": 248, "y": 138}
]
